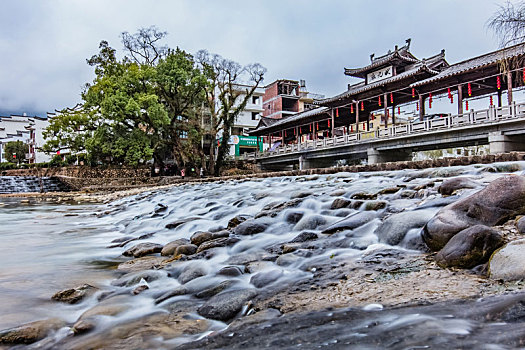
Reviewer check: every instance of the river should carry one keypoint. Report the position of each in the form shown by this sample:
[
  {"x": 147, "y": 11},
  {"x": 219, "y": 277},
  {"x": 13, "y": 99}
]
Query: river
[{"x": 48, "y": 247}]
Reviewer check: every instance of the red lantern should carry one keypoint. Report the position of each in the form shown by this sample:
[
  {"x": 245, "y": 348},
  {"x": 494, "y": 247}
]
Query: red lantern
[
  {"x": 498, "y": 82},
  {"x": 449, "y": 93},
  {"x": 451, "y": 98},
  {"x": 362, "y": 106},
  {"x": 391, "y": 98},
  {"x": 294, "y": 131},
  {"x": 284, "y": 133},
  {"x": 523, "y": 75},
  {"x": 352, "y": 108},
  {"x": 379, "y": 100},
  {"x": 351, "y": 128},
  {"x": 398, "y": 110},
  {"x": 413, "y": 92},
  {"x": 469, "y": 89},
  {"x": 491, "y": 100},
  {"x": 430, "y": 98},
  {"x": 310, "y": 127},
  {"x": 337, "y": 112},
  {"x": 300, "y": 130},
  {"x": 328, "y": 122},
  {"x": 417, "y": 106},
  {"x": 364, "y": 128},
  {"x": 466, "y": 105},
  {"x": 317, "y": 126}
]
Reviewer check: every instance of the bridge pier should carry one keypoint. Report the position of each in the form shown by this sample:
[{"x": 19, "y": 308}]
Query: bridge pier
[
  {"x": 499, "y": 143},
  {"x": 375, "y": 156},
  {"x": 305, "y": 163}
]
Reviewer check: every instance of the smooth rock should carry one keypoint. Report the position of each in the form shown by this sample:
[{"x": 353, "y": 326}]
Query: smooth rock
[
  {"x": 187, "y": 249},
  {"x": 339, "y": 203},
  {"x": 218, "y": 242},
  {"x": 200, "y": 237},
  {"x": 232, "y": 271},
  {"x": 394, "y": 228},
  {"x": 133, "y": 278},
  {"x": 375, "y": 205},
  {"x": 226, "y": 305},
  {"x": 507, "y": 263},
  {"x": 30, "y": 332},
  {"x": 449, "y": 186},
  {"x": 74, "y": 295},
  {"x": 169, "y": 249},
  {"x": 178, "y": 223},
  {"x": 470, "y": 247},
  {"x": 251, "y": 227},
  {"x": 191, "y": 272},
  {"x": 305, "y": 236},
  {"x": 143, "y": 249},
  {"x": 310, "y": 222},
  {"x": 139, "y": 264},
  {"x": 209, "y": 292},
  {"x": 262, "y": 279},
  {"x": 520, "y": 225},
  {"x": 237, "y": 220},
  {"x": 363, "y": 195},
  {"x": 351, "y": 222},
  {"x": 502, "y": 199},
  {"x": 293, "y": 217}
]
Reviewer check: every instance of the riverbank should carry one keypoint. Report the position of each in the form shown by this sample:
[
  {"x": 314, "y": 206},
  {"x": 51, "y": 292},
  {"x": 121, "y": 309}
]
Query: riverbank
[{"x": 206, "y": 260}]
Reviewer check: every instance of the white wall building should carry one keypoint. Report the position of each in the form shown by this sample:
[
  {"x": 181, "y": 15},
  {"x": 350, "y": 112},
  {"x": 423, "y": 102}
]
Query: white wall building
[{"x": 26, "y": 129}]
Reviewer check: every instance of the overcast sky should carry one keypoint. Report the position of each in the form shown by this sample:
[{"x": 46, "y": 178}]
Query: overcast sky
[{"x": 44, "y": 44}]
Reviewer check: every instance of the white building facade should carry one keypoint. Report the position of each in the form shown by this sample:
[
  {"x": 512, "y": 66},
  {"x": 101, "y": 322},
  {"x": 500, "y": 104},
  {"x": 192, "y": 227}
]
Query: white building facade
[{"x": 29, "y": 130}]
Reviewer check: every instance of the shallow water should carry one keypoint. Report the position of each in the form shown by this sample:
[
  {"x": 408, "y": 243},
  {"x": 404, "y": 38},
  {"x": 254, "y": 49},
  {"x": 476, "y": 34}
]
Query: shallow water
[{"x": 48, "y": 247}]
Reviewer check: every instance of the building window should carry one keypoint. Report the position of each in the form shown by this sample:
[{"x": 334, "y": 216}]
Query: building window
[
  {"x": 255, "y": 116},
  {"x": 183, "y": 134},
  {"x": 255, "y": 100}
]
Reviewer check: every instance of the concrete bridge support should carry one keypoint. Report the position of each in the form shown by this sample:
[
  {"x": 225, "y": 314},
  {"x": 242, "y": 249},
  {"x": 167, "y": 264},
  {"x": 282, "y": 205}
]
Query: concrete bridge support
[
  {"x": 312, "y": 163},
  {"x": 499, "y": 143},
  {"x": 375, "y": 156}
]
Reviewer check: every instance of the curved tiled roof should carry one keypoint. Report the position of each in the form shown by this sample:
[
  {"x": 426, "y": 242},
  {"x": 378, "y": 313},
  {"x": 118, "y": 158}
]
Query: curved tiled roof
[
  {"x": 293, "y": 118},
  {"x": 361, "y": 87},
  {"x": 475, "y": 63},
  {"x": 401, "y": 54}
]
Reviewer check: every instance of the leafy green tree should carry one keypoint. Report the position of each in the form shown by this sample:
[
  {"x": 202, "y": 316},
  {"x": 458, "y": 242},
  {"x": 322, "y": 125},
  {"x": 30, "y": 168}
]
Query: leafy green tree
[
  {"x": 227, "y": 97},
  {"x": 15, "y": 151}
]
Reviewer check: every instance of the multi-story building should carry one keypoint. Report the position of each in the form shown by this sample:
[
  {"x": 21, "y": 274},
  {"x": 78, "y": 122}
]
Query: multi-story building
[
  {"x": 28, "y": 129},
  {"x": 283, "y": 98}
]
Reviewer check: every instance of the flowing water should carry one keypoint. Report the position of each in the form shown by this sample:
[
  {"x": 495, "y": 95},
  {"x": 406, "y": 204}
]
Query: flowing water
[
  {"x": 20, "y": 184},
  {"x": 47, "y": 247}
]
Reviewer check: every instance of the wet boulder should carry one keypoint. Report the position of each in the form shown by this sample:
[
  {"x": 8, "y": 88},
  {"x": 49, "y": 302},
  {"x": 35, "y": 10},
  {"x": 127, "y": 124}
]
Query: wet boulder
[
  {"x": 351, "y": 222},
  {"x": 520, "y": 225},
  {"x": 251, "y": 227},
  {"x": 200, "y": 237},
  {"x": 143, "y": 249},
  {"x": 448, "y": 187},
  {"x": 191, "y": 272},
  {"x": 218, "y": 242},
  {"x": 187, "y": 249},
  {"x": 375, "y": 205},
  {"x": 139, "y": 264},
  {"x": 237, "y": 220},
  {"x": 169, "y": 249},
  {"x": 231, "y": 271},
  {"x": 177, "y": 223},
  {"x": 507, "y": 263},
  {"x": 30, "y": 332},
  {"x": 74, "y": 295},
  {"x": 293, "y": 217},
  {"x": 339, "y": 203},
  {"x": 470, "y": 247},
  {"x": 394, "y": 228},
  {"x": 310, "y": 222},
  {"x": 305, "y": 236},
  {"x": 216, "y": 289},
  {"x": 265, "y": 278},
  {"x": 501, "y": 200},
  {"x": 226, "y": 305},
  {"x": 133, "y": 278}
]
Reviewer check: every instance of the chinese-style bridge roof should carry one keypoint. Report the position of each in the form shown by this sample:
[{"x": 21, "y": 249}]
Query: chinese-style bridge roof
[
  {"x": 287, "y": 122},
  {"x": 399, "y": 57},
  {"x": 476, "y": 63},
  {"x": 420, "y": 69}
]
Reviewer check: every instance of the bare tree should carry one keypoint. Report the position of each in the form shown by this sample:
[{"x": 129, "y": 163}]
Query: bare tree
[
  {"x": 143, "y": 45},
  {"x": 224, "y": 99},
  {"x": 508, "y": 23}
]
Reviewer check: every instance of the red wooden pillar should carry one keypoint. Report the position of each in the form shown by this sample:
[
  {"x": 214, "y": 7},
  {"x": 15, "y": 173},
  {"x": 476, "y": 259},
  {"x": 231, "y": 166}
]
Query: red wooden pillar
[{"x": 460, "y": 99}]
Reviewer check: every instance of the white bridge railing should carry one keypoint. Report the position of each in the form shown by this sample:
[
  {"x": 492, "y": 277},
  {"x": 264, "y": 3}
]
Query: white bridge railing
[{"x": 473, "y": 117}]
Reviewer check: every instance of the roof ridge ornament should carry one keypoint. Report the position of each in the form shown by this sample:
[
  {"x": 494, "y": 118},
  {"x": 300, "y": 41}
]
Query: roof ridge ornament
[{"x": 408, "y": 41}]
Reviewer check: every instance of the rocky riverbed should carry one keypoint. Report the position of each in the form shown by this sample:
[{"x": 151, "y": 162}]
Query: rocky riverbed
[{"x": 401, "y": 259}]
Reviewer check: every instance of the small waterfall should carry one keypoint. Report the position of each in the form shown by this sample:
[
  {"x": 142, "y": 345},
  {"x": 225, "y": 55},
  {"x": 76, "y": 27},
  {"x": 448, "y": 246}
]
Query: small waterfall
[{"x": 23, "y": 184}]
